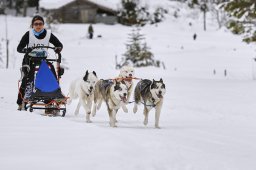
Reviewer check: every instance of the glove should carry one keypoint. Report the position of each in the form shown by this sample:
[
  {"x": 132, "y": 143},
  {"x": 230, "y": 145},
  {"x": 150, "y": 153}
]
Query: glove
[
  {"x": 57, "y": 49},
  {"x": 27, "y": 50}
]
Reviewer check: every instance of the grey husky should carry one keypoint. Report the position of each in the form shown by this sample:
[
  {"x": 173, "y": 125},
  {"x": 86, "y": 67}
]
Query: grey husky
[
  {"x": 150, "y": 93},
  {"x": 114, "y": 94}
]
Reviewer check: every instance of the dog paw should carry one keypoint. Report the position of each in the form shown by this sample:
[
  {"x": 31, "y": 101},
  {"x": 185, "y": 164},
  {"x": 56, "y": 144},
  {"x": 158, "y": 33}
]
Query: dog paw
[
  {"x": 88, "y": 121},
  {"x": 112, "y": 125},
  {"x": 125, "y": 110},
  {"x": 145, "y": 122},
  {"x": 93, "y": 114},
  {"x": 157, "y": 127},
  {"x": 98, "y": 106},
  {"x": 135, "y": 109},
  {"x": 94, "y": 111}
]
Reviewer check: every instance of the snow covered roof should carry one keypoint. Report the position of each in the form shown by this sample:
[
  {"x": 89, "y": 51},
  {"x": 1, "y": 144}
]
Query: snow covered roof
[{"x": 50, "y": 4}]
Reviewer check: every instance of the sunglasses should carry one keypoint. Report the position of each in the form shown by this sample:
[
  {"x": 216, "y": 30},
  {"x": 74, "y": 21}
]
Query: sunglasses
[{"x": 38, "y": 24}]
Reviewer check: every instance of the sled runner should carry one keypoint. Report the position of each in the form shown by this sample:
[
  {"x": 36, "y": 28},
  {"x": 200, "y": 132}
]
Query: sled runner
[{"x": 43, "y": 91}]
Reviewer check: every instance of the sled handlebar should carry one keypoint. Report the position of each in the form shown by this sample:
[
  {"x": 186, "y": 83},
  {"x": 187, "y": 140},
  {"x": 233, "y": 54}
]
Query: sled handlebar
[
  {"x": 53, "y": 48},
  {"x": 43, "y": 47}
]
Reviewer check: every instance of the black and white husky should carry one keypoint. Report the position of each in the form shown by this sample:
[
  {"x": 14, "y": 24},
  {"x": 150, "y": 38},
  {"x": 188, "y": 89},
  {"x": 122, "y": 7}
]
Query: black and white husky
[
  {"x": 83, "y": 89},
  {"x": 150, "y": 93},
  {"x": 115, "y": 96}
]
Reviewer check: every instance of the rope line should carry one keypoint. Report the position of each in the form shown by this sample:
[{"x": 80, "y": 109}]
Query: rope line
[
  {"x": 152, "y": 105},
  {"x": 128, "y": 78}
]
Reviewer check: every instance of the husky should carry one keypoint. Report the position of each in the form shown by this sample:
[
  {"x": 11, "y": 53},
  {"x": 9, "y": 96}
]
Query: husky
[
  {"x": 150, "y": 93},
  {"x": 114, "y": 94},
  {"x": 126, "y": 75},
  {"x": 83, "y": 89}
]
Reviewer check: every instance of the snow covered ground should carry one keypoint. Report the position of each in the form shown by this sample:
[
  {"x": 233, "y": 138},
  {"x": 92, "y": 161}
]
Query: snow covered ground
[{"x": 207, "y": 121}]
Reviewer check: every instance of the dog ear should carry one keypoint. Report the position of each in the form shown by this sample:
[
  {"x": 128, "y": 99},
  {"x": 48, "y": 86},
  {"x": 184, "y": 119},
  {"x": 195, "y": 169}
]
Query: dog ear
[
  {"x": 117, "y": 83},
  {"x": 94, "y": 73},
  {"x": 86, "y": 76},
  {"x": 161, "y": 80},
  {"x": 117, "y": 86},
  {"x": 114, "y": 81},
  {"x": 152, "y": 84}
]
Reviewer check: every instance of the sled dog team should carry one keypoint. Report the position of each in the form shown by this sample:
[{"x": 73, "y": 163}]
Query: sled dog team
[{"x": 116, "y": 93}]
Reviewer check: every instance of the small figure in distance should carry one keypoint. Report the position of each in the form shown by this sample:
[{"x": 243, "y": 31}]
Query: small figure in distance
[
  {"x": 90, "y": 31},
  {"x": 194, "y": 36}
]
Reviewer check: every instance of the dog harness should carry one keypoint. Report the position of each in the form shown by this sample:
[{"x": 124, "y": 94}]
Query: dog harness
[{"x": 106, "y": 84}]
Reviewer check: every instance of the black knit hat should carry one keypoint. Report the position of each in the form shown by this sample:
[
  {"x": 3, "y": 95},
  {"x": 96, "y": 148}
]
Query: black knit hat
[{"x": 37, "y": 17}]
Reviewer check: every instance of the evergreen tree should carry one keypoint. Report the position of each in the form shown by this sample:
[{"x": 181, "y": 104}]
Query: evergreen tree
[
  {"x": 192, "y": 3},
  {"x": 243, "y": 16},
  {"x": 138, "y": 53},
  {"x": 132, "y": 13},
  {"x": 18, "y": 6},
  {"x": 33, "y": 3},
  {"x": 158, "y": 15},
  {"x": 129, "y": 14}
]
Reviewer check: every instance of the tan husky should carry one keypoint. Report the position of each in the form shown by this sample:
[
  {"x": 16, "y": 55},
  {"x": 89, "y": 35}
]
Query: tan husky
[{"x": 115, "y": 96}]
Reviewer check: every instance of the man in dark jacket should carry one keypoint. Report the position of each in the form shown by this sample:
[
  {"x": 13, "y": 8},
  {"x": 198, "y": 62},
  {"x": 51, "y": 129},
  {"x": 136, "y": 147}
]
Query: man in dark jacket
[{"x": 90, "y": 31}]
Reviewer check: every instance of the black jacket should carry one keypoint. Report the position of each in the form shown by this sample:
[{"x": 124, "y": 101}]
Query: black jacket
[{"x": 25, "y": 41}]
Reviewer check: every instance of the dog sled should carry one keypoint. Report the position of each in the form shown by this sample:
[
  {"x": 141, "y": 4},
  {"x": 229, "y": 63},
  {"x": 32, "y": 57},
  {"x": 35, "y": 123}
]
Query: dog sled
[{"x": 44, "y": 91}]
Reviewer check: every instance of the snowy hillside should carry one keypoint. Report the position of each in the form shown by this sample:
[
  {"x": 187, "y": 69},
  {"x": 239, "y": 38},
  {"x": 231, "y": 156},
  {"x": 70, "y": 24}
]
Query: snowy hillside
[{"x": 207, "y": 121}]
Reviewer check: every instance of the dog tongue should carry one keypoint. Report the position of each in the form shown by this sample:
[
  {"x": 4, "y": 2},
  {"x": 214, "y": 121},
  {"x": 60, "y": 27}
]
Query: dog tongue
[
  {"x": 123, "y": 99},
  {"x": 159, "y": 96}
]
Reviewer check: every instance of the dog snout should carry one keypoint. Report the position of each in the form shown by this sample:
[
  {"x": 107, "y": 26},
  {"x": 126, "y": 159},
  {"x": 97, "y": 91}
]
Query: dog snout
[
  {"x": 130, "y": 75},
  {"x": 160, "y": 92},
  {"x": 125, "y": 94},
  {"x": 91, "y": 87}
]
